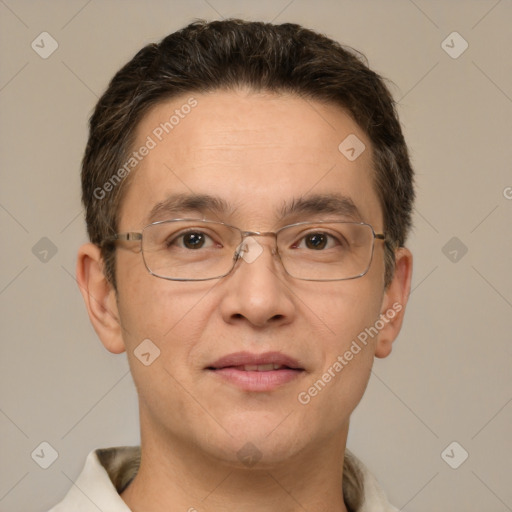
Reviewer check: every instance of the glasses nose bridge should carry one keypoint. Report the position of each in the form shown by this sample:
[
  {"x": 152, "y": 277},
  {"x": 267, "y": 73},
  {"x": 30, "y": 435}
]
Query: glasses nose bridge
[{"x": 247, "y": 234}]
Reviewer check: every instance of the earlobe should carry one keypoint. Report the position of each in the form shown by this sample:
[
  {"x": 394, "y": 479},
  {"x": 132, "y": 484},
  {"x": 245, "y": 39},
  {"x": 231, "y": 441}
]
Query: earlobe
[
  {"x": 99, "y": 297},
  {"x": 394, "y": 302}
]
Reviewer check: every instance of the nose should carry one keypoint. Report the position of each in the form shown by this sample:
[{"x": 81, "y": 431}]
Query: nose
[{"x": 257, "y": 290}]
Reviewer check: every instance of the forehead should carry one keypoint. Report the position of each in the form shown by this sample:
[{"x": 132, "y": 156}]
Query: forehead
[{"x": 256, "y": 152}]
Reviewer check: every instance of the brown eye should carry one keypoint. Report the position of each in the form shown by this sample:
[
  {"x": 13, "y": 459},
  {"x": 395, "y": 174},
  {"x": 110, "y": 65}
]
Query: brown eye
[
  {"x": 316, "y": 241},
  {"x": 193, "y": 240}
]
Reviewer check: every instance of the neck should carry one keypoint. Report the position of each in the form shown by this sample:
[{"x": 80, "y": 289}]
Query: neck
[{"x": 175, "y": 474}]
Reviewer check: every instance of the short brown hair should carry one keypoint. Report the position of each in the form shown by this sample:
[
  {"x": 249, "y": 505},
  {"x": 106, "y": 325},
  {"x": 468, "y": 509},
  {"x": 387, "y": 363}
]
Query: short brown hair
[{"x": 207, "y": 56}]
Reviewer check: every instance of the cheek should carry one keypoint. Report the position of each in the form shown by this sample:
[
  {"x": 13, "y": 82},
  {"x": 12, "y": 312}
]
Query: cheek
[
  {"x": 171, "y": 314},
  {"x": 349, "y": 310},
  {"x": 172, "y": 317}
]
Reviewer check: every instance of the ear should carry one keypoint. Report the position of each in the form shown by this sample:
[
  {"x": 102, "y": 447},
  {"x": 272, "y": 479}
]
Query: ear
[
  {"x": 394, "y": 301},
  {"x": 100, "y": 297}
]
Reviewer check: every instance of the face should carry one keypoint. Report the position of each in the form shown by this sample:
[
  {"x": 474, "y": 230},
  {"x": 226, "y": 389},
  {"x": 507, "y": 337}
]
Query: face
[{"x": 259, "y": 154}]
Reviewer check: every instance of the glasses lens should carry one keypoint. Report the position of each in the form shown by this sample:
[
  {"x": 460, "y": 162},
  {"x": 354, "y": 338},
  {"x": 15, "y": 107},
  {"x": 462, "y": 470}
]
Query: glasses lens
[
  {"x": 189, "y": 249},
  {"x": 327, "y": 250},
  {"x": 200, "y": 250}
]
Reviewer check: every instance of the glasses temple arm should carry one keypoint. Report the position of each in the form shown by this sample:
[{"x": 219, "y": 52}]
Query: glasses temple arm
[{"x": 126, "y": 237}]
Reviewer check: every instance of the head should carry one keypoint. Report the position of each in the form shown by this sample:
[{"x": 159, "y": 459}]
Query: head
[{"x": 251, "y": 115}]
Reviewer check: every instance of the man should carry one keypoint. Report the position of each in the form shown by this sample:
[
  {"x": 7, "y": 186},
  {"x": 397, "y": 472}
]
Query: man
[{"x": 248, "y": 194}]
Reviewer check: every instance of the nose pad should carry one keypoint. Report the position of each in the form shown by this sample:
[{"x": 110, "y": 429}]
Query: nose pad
[{"x": 249, "y": 250}]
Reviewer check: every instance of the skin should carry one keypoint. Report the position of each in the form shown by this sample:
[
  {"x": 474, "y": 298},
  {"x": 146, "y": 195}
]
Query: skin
[{"x": 254, "y": 150}]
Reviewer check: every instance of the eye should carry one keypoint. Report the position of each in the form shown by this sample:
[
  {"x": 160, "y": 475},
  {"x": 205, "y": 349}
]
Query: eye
[
  {"x": 190, "y": 240},
  {"x": 317, "y": 241}
]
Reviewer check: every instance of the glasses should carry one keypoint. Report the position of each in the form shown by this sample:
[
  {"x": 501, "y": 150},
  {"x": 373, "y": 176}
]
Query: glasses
[{"x": 200, "y": 250}]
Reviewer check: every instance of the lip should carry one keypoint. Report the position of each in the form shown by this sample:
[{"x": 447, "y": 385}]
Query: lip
[
  {"x": 229, "y": 369},
  {"x": 248, "y": 358}
]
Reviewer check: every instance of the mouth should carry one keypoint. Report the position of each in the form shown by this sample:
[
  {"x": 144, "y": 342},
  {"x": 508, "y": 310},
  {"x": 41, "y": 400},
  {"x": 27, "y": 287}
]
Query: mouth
[
  {"x": 256, "y": 372},
  {"x": 258, "y": 367}
]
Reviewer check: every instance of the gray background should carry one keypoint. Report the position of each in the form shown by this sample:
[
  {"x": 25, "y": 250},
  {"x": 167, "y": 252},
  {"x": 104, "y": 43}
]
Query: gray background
[{"x": 449, "y": 376}]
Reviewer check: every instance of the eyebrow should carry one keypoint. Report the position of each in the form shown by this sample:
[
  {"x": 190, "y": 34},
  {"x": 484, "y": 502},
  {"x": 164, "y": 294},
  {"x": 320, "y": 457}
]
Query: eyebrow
[
  {"x": 180, "y": 203},
  {"x": 316, "y": 204},
  {"x": 336, "y": 204}
]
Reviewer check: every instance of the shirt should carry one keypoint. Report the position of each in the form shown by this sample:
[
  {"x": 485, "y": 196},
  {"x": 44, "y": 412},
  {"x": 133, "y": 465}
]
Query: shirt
[{"x": 108, "y": 471}]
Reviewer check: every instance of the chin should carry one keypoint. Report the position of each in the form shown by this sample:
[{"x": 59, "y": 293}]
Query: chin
[
  {"x": 258, "y": 442},
  {"x": 259, "y": 455}
]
